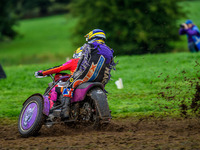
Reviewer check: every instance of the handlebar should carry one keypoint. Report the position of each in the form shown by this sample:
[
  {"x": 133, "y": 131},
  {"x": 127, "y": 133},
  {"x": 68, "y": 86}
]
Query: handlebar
[
  {"x": 40, "y": 76},
  {"x": 52, "y": 77},
  {"x": 46, "y": 76}
]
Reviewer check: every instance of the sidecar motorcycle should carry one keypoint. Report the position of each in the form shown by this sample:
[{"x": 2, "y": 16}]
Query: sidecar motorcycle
[{"x": 88, "y": 106}]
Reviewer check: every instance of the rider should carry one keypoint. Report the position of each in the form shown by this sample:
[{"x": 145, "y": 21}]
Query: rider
[
  {"x": 94, "y": 65},
  {"x": 69, "y": 65}
]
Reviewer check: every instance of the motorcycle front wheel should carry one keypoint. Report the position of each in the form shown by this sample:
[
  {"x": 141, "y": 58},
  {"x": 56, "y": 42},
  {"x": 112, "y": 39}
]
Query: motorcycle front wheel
[{"x": 31, "y": 117}]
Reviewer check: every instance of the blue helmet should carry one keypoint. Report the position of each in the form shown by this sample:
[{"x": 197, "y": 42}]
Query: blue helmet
[{"x": 95, "y": 34}]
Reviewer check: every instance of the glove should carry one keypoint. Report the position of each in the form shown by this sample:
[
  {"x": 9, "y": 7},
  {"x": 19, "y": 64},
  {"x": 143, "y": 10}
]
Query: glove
[{"x": 38, "y": 74}]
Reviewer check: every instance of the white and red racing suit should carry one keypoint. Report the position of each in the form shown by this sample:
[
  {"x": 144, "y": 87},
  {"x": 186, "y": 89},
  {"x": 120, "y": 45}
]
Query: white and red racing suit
[{"x": 69, "y": 65}]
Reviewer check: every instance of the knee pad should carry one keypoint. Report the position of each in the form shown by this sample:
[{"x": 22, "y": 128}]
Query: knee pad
[{"x": 68, "y": 92}]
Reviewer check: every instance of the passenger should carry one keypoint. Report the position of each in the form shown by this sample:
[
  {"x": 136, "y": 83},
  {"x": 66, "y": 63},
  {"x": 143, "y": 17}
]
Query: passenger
[{"x": 70, "y": 65}]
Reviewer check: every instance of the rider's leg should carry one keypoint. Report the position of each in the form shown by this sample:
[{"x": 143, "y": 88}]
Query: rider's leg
[{"x": 67, "y": 95}]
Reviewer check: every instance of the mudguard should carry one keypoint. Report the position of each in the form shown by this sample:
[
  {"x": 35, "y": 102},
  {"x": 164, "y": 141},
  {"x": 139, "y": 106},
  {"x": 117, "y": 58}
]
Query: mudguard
[
  {"x": 81, "y": 91},
  {"x": 46, "y": 103},
  {"x": 100, "y": 98},
  {"x": 86, "y": 84}
]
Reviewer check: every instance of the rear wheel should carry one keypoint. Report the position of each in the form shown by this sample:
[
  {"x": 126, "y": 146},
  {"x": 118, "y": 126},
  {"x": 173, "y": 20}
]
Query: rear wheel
[
  {"x": 90, "y": 114},
  {"x": 95, "y": 116},
  {"x": 31, "y": 117}
]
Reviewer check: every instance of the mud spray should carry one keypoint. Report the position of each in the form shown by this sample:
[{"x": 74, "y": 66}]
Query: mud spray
[{"x": 182, "y": 92}]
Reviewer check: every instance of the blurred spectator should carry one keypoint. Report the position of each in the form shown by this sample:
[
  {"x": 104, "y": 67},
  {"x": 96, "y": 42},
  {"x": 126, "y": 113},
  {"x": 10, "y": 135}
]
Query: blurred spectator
[{"x": 193, "y": 35}]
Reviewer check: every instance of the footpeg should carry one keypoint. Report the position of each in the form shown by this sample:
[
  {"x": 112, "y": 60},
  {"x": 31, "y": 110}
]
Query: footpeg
[
  {"x": 57, "y": 112},
  {"x": 49, "y": 124}
]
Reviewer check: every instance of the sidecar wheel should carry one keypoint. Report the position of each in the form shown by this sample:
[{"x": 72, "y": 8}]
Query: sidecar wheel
[{"x": 31, "y": 117}]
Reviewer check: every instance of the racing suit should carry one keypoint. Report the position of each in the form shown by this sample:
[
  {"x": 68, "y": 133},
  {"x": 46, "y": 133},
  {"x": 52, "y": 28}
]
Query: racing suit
[
  {"x": 94, "y": 66},
  {"x": 69, "y": 65}
]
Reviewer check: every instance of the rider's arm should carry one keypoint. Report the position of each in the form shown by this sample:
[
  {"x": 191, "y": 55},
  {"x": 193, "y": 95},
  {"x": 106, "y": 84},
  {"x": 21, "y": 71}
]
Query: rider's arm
[
  {"x": 70, "y": 65},
  {"x": 52, "y": 70}
]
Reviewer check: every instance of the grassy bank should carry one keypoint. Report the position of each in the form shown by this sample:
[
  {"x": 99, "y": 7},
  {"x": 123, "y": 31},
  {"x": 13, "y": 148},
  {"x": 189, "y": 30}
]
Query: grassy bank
[
  {"x": 149, "y": 80},
  {"x": 143, "y": 77},
  {"x": 41, "y": 40}
]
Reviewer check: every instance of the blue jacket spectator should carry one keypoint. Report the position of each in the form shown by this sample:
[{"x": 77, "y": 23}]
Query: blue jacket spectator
[{"x": 193, "y": 35}]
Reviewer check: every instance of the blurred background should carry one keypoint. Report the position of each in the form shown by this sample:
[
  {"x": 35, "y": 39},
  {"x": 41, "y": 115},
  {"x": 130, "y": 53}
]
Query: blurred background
[{"x": 41, "y": 31}]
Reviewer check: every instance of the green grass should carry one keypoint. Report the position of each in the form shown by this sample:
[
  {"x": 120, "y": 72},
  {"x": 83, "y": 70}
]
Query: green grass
[
  {"x": 46, "y": 42},
  {"x": 143, "y": 78},
  {"x": 41, "y": 40},
  {"x": 143, "y": 81}
]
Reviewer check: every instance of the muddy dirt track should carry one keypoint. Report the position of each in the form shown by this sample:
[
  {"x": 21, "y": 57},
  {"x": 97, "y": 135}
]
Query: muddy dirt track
[{"x": 120, "y": 134}]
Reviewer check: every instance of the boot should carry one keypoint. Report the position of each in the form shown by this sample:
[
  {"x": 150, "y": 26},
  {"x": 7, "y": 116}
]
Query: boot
[{"x": 65, "y": 108}]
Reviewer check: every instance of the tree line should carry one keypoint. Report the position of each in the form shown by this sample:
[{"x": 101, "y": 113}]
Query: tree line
[
  {"x": 13, "y": 10},
  {"x": 132, "y": 26}
]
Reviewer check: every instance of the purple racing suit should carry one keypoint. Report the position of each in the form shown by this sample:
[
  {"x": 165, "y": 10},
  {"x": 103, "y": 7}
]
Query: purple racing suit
[{"x": 94, "y": 65}]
